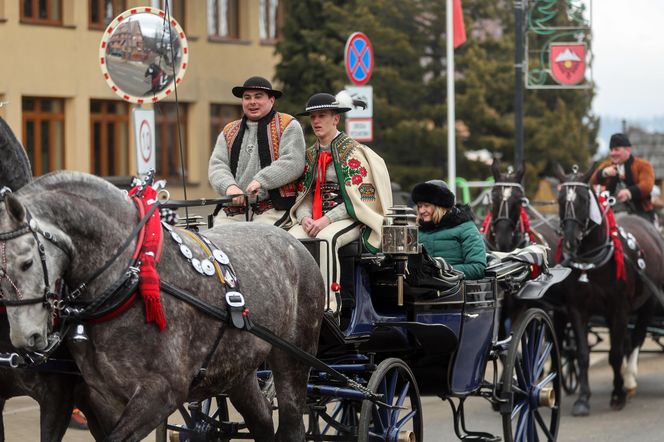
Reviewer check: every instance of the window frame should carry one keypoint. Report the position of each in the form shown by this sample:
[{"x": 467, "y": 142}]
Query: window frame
[
  {"x": 165, "y": 126},
  {"x": 278, "y": 21},
  {"x": 115, "y": 120},
  {"x": 118, "y": 6},
  {"x": 37, "y": 116},
  {"x": 233, "y": 35},
  {"x": 52, "y": 6},
  {"x": 218, "y": 121}
]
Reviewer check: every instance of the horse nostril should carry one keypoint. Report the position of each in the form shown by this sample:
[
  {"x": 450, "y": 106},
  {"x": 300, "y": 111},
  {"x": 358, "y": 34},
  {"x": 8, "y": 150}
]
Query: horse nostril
[{"x": 33, "y": 339}]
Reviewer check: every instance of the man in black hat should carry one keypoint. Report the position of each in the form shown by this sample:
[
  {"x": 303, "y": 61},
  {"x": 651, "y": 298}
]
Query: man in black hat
[
  {"x": 261, "y": 155},
  {"x": 628, "y": 178},
  {"x": 345, "y": 191}
]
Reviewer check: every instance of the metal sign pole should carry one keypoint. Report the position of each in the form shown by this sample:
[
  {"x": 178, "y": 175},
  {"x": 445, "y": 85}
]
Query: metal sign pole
[
  {"x": 451, "y": 151},
  {"x": 518, "y": 81}
]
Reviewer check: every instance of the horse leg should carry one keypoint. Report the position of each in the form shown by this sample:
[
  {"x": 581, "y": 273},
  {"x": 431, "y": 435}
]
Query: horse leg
[
  {"x": 630, "y": 368},
  {"x": 290, "y": 380},
  {"x": 250, "y": 402},
  {"x": 582, "y": 405},
  {"x": 55, "y": 406},
  {"x": 618, "y": 334},
  {"x": 134, "y": 423},
  {"x": 2, "y": 423}
]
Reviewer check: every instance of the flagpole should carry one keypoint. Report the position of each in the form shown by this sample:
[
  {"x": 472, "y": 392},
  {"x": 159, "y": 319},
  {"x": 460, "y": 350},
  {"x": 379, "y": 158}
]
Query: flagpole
[{"x": 451, "y": 132}]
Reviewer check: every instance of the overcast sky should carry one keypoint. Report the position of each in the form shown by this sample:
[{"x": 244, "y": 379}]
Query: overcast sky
[{"x": 628, "y": 66}]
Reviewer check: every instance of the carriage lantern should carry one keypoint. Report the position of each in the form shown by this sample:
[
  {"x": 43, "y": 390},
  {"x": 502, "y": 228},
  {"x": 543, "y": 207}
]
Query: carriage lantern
[{"x": 399, "y": 240}]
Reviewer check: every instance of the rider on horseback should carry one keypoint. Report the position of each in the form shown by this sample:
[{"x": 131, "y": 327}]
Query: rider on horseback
[{"x": 628, "y": 178}]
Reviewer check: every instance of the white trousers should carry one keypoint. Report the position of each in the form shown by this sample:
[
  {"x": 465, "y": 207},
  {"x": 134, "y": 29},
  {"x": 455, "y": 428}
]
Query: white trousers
[
  {"x": 336, "y": 235},
  {"x": 270, "y": 216}
]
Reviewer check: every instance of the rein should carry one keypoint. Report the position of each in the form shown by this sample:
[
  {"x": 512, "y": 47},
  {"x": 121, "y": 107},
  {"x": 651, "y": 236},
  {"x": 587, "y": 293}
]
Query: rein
[{"x": 526, "y": 235}]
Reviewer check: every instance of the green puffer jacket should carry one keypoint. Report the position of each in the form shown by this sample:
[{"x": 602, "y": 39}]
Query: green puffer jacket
[{"x": 457, "y": 240}]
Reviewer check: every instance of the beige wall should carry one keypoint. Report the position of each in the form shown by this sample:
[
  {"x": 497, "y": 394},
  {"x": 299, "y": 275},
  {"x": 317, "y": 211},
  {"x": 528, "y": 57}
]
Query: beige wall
[{"x": 70, "y": 55}]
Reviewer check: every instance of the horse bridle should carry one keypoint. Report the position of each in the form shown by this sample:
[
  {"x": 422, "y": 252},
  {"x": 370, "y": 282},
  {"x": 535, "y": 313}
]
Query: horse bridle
[
  {"x": 49, "y": 299},
  {"x": 503, "y": 209},
  {"x": 569, "y": 214}
]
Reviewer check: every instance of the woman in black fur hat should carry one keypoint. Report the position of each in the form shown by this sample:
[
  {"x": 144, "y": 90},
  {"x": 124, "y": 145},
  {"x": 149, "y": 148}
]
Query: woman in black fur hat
[{"x": 447, "y": 230}]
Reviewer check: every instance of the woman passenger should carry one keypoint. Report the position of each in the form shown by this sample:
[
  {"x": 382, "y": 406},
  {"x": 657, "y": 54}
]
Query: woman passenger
[{"x": 447, "y": 230}]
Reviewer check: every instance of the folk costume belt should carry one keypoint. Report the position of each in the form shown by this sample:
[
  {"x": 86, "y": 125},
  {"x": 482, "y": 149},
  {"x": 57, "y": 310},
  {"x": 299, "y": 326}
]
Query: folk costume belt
[
  {"x": 331, "y": 196},
  {"x": 257, "y": 208}
]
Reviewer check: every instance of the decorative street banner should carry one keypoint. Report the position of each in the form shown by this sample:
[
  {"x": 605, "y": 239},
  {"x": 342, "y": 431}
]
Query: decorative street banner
[
  {"x": 568, "y": 62},
  {"x": 558, "y": 44},
  {"x": 359, "y": 58}
]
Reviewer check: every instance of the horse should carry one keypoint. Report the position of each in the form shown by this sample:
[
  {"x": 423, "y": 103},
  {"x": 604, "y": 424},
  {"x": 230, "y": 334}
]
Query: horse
[
  {"x": 617, "y": 268},
  {"x": 507, "y": 226},
  {"x": 55, "y": 393},
  {"x": 138, "y": 374}
]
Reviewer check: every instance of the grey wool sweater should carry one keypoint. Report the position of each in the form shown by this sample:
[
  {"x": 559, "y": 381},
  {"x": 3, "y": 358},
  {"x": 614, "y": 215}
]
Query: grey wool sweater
[{"x": 287, "y": 168}]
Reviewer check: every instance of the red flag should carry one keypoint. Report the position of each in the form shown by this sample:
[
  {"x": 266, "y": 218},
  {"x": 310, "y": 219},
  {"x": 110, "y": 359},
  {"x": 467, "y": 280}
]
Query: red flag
[{"x": 459, "y": 27}]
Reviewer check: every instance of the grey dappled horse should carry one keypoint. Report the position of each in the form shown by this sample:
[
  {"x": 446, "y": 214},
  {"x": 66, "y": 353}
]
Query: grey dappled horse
[
  {"x": 136, "y": 374},
  {"x": 54, "y": 392},
  {"x": 594, "y": 287}
]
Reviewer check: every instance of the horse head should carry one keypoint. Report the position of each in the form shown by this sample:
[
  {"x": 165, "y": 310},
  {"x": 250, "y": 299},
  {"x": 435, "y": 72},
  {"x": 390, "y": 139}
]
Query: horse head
[
  {"x": 152, "y": 70},
  {"x": 577, "y": 207},
  {"x": 507, "y": 198},
  {"x": 29, "y": 272}
]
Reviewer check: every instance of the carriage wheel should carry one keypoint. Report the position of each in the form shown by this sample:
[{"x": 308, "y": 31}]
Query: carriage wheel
[
  {"x": 569, "y": 361},
  {"x": 333, "y": 417},
  {"x": 399, "y": 414},
  {"x": 532, "y": 381}
]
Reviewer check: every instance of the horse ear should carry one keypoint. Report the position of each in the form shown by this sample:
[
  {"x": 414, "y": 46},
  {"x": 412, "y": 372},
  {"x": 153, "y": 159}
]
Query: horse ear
[
  {"x": 495, "y": 169},
  {"x": 520, "y": 171},
  {"x": 587, "y": 175},
  {"x": 559, "y": 172},
  {"x": 15, "y": 208}
]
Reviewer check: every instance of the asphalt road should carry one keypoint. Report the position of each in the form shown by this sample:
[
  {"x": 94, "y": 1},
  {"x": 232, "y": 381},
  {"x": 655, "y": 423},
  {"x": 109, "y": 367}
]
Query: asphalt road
[{"x": 641, "y": 420}]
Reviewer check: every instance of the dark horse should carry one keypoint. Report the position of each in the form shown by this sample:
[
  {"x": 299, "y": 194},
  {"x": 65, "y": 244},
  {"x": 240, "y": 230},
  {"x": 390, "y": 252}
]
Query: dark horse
[
  {"x": 54, "y": 392},
  {"x": 615, "y": 271},
  {"x": 508, "y": 225},
  {"x": 136, "y": 374}
]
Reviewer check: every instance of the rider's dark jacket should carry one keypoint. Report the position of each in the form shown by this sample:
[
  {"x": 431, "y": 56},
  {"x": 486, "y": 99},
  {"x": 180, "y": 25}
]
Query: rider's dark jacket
[
  {"x": 456, "y": 239},
  {"x": 639, "y": 180}
]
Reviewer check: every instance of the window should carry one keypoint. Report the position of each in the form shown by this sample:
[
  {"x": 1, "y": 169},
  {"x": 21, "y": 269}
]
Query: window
[
  {"x": 43, "y": 12},
  {"x": 168, "y": 147},
  {"x": 271, "y": 19},
  {"x": 220, "y": 116},
  {"x": 223, "y": 19},
  {"x": 44, "y": 133},
  {"x": 102, "y": 12},
  {"x": 175, "y": 9},
  {"x": 109, "y": 138}
]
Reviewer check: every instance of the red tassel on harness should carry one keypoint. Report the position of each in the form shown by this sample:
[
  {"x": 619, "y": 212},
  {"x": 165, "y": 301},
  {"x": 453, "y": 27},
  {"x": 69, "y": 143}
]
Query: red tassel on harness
[{"x": 148, "y": 283}]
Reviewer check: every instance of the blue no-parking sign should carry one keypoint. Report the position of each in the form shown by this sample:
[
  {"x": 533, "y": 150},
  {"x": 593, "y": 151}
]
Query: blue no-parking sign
[{"x": 359, "y": 58}]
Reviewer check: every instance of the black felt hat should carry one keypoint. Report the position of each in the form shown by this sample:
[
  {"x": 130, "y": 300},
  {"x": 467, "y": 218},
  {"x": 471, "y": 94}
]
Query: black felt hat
[
  {"x": 256, "y": 83},
  {"x": 619, "y": 140},
  {"x": 434, "y": 192},
  {"x": 323, "y": 101}
]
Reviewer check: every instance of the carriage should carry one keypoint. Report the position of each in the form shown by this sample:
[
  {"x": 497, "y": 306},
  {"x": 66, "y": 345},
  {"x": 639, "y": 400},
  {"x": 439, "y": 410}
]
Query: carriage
[{"x": 395, "y": 340}]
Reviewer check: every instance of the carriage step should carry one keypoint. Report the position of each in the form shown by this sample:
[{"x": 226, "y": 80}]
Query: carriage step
[{"x": 485, "y": 437}]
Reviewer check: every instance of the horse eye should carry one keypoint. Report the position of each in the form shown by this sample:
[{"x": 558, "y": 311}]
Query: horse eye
[{"x": 26, "y": 265}]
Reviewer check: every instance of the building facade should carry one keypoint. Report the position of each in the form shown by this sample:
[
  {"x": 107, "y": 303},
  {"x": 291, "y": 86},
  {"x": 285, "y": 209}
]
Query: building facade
[{"x": 60, "y": 107}]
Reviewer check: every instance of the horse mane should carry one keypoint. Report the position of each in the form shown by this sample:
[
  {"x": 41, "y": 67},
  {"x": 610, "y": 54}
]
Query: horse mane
[
  {"x": 72, "y": 182},
  {"x": 15, "y": 170}
]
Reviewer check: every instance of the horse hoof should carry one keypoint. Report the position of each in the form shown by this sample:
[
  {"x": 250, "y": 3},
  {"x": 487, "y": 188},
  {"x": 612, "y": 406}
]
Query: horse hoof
[
  {"x": 630, "y": 393},
  {"x": 581, "y": 408},
  {"x": 618, "y": 401}
]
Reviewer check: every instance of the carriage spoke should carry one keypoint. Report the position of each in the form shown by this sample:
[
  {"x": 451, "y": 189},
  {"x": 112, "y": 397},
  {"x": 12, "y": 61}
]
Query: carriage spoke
[
  {"x": 521, "y": 423},
  {"x": 543, "y": 426},
  {"x": 539, "y": 368},
  {"x": 548, "y": 379},
  {"x": 517, "y": 408},
  {"x": 399, "y": 403},
  {"x": 404, "y": 420}
]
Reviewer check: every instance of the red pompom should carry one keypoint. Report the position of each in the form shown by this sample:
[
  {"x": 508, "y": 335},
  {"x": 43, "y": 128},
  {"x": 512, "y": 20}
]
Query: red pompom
[{"x": 335, "y": 287}]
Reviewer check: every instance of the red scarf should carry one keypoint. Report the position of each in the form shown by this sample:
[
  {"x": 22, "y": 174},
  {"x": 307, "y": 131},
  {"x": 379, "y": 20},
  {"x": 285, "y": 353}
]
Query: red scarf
[
  {"x": 324, "y": 159},
  {"x": 614, "y": 234},
  {"x": 149, "y": 253}
]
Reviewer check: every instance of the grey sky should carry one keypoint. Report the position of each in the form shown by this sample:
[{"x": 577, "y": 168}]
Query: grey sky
[{"x": 628, "y": 66}]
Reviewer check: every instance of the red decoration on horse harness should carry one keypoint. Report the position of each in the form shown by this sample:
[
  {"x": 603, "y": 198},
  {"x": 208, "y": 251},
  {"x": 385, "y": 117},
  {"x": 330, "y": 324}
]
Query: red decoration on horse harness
[
  {"x": 335, "y": 287},
  {"x": 524, "y": 225},
  {"x": 150, "y": 252},
  {"x": 613, "y": 234}
]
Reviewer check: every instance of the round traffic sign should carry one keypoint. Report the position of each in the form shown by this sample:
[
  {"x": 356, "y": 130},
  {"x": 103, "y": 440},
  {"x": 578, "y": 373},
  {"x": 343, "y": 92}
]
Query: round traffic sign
[
  {"x": 359, "y": 58},
  {"x": 145, "y": 141}
]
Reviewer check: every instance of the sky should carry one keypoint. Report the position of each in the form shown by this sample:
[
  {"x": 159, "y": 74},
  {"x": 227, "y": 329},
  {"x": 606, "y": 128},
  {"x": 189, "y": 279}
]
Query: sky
[{"x": 628, "y": 64}]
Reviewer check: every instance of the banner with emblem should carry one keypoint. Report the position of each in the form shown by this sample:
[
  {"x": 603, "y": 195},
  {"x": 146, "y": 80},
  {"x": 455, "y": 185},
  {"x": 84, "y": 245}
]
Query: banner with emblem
[{"x": 567, "y": 62}]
